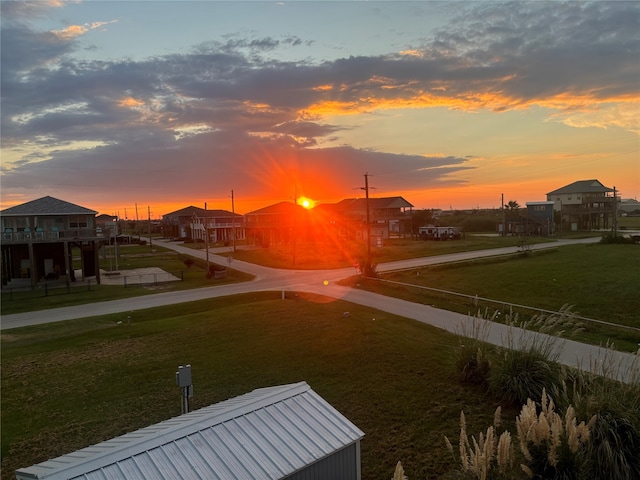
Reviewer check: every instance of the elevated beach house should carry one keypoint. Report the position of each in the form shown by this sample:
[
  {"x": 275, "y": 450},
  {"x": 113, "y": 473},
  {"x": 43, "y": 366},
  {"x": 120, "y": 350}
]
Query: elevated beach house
[{"x": 38, "y": 238}]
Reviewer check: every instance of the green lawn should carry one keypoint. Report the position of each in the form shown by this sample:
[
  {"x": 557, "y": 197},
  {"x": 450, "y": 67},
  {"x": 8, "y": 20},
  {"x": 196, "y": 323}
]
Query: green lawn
[
  {"x": 131, "y": 257},
  {"x": 79, "y": 382},
  {"x": 343, "y": 253},
  {"x": 68, "y": 385},
  {"x": 599, "y": 280}
]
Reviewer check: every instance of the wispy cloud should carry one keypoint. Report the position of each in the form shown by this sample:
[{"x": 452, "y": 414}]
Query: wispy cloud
[{"x": 73, "y": 31}]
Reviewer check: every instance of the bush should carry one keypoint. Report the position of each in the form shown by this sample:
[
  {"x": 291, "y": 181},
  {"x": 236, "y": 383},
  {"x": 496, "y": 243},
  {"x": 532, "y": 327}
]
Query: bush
[
  {"x": 524, "y": 374},
  {"x": 615, "y": 448},
  {"x": 188, "y": 262},
  {"x": 615, "y": 452},
  {"x": 368, "y": 268},
  {"x": 610, "y": 238},
  {"x": 551, "y": 447},
  {"x": 472, "y": 360},
  {"x": 529, "y": 362}
]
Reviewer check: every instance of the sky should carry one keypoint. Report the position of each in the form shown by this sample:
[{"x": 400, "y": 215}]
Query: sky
[{"x": 133, "y": 108}]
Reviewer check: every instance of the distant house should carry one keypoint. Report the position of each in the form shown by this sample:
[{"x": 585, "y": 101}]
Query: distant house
[
  {"x": 192, "y": 222},
  {"x": 287, "y": 431},
  {"x": 539, "y": 218},
  {"x": 277, "y": 223},
  {"x": 388, "y": 217},
  {"x": 629, "y": 207},
  {"x": 585, "y": 205},
  {"x": 38, "y": 237}
]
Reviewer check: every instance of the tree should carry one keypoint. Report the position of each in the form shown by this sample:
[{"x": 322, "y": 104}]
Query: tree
[
  {"x": 421, "y": 218},
  {"x": 512, "y": 208}
]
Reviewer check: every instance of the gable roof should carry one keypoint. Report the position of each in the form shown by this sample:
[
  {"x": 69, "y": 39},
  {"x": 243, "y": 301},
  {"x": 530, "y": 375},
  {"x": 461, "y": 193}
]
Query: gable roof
[
  {"x": 200, "y": 213},
  {"x": 280, "y": 208},
  {"x": 269, "y": 433},
  {"x": 47, "y": 206},
  {"x": 374, "y": 203},
  {"x": 582, "y": 186}
]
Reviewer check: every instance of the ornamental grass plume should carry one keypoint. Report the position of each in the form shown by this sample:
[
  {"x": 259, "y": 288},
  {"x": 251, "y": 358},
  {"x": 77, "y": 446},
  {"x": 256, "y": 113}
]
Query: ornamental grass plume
[
  {"x": 551, "y": 446},
  {"x": 481, "y": 456},
  {"x": 399, "y": 472}
]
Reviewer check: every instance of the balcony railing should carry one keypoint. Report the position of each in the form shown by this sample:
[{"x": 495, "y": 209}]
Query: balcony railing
[{"x": 26, "y": 235}]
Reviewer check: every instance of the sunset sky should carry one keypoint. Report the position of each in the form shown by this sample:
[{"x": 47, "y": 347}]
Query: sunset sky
[{"x": 166, "y": 104}]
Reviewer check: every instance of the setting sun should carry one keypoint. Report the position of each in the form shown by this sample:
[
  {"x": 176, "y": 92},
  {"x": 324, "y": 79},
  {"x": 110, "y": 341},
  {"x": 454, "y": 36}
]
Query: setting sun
[{"x": 306, "y": 203}]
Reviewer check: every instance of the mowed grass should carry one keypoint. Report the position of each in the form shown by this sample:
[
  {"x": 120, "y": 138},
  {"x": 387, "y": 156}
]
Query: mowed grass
[
  {"x": 68, "y": 385},
  {"x": 343, "y": 253},
  {"x": 600, "y": 281},
  {"x": 131, "y": 257}
]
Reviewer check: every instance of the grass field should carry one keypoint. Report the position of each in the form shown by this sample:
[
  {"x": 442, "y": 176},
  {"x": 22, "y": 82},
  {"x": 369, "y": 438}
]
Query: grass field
[
  {"x": 327, "y": 255},
  {"x": 600, "y": 281},
  {"x": 72, "y": 384},
  {"x": 132, "y": 257}
]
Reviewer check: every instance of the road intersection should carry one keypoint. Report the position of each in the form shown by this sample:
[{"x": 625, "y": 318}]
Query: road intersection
[{"x": 323, "y": 282}]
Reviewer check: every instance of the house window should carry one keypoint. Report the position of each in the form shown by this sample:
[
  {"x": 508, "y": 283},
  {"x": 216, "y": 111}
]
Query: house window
[{"x": 78, "y": 222}]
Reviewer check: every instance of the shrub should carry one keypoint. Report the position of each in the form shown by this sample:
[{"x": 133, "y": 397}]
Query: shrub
[
  {"x": 367, "y": 267},
  {"x": 523, "y": 374},
  {"x": 188, "y": 262},
  {"x": 615, "y": 446},
  {"x": 472, "y": 360},
  {"x": 611, "y": 238},
  {"x": 551, "y": 447},
  {"x": 488, "y": 456},
  {"x": 528, "y": 364}
]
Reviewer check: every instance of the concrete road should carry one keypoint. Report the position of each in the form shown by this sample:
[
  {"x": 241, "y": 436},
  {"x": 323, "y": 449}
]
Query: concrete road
[{"x": 625, "y": 366}]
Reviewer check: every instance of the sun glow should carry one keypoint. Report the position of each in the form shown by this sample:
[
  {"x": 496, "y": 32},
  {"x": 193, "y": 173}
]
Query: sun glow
[{"x": 306, "y": 202}]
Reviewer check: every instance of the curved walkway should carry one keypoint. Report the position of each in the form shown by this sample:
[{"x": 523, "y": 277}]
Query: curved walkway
[{"x": 623, "y": 366}]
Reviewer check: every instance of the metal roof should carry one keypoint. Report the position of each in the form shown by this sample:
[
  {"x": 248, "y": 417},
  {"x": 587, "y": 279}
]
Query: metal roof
[
  {"x": 200, "y": 212},
  {"x": 280, "y": 208},
  {"x": 374, "y": 203},
  {"x": 582, "y": 186},
  {"x": 269, "y": 433},
  {"x": 47, "y": 206}
]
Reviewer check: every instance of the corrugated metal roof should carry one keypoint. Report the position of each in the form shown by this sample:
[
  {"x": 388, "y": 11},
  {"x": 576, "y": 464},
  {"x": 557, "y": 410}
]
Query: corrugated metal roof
[
  {"x": 269, "y": 433},
  {"x": 47, "y": 206}
]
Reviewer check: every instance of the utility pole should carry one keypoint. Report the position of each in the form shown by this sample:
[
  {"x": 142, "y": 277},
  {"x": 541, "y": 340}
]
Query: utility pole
[
  {"x": 615, "y": 212},
  {"x": 206, "y": 237},
  {"x": 295, "y": 222},
  {"x": 233, "y": 219},
  {"x": 504, "y": 220},
  {"x": 366, "y": 191},
  {"x": 149, "y": 216}
]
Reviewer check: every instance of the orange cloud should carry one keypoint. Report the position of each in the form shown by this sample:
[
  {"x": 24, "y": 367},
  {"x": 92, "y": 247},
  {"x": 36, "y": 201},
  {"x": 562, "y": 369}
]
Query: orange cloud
[
  {"x": 130, "y": 102},
  {"x": 588, "y": 109},
  {"x": 73, "y": 31}
]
